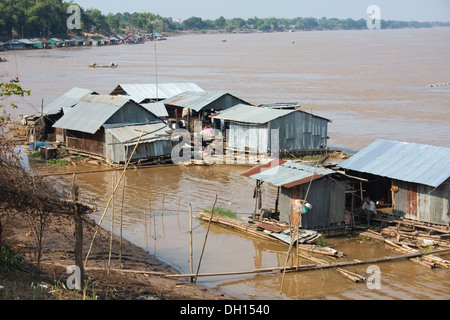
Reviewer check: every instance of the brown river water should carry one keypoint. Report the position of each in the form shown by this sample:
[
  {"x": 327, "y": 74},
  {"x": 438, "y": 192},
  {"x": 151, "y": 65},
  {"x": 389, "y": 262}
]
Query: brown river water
[{"x": 371, "y": 84}]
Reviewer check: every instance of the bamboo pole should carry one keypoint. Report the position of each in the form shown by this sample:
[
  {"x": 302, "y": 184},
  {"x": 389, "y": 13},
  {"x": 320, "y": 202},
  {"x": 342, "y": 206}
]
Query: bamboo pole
[
  {"x": 191, "y": 255},
  {"x": 145, "y": 231},
  {"x": 121, "y": 225},
  {"x": 319, "y": 266},
  {"x": 112, "y": 227},
  {"x": 178, "y": 216},
  {"x": 162, "y": 217},
  {"x": 308, "y": 267},
  {"x": 110, "y": 199},
  {"x": 204, "y": 243}
]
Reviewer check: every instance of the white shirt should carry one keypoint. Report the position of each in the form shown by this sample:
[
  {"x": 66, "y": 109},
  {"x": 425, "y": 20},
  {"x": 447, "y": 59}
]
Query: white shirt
[{"x": 369, "y": 206}]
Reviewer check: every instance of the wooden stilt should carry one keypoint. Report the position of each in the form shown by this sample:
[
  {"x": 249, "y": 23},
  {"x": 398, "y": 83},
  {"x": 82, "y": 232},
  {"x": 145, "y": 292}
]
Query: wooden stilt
[
  {"x": 206, "y": 237},
  {"x": 191, "y": 255}
]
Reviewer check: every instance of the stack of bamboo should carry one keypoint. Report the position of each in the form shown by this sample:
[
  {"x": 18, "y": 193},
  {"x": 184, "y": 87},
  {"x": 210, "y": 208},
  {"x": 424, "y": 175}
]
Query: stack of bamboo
[
  {"x": 430, "y": 261},
  {"x": 252, "y": 229},
  {"x": 418, "y": 235}
]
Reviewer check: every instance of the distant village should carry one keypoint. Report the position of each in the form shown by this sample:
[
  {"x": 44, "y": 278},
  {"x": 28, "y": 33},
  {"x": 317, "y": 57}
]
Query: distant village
[{"x": 87, "y": 41}]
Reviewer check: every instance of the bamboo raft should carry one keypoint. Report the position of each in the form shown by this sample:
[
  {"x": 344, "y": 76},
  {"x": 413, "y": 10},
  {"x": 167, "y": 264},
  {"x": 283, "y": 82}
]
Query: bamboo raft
[{"x": 254, "y": 230}]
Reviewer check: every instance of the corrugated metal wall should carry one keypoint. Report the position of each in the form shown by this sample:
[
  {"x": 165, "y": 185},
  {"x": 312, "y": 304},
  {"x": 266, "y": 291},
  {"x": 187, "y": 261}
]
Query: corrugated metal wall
[
  {"x": 117, "y": 152},
  {"x": 297, "y": 131},
  {"x": 327, "y": 200},
  {"x": 422, "y": 203},
  {"x": 240, "y": 136}
]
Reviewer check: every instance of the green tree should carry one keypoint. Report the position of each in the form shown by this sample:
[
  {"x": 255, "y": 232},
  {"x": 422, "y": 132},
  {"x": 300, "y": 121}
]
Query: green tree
[
  {"x": 194, "y": 23},
  {"x": 220, "y": 23}
]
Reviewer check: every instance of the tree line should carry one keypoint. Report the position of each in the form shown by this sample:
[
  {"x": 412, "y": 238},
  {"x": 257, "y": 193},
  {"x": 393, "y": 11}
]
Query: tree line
[{"x": 47, "y": 18}]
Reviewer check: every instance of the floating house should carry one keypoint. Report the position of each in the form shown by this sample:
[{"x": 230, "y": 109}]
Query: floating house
[
  {"x": 42, "y": 44},
  {"x": 145, "y": 93},
  {"x": 15, "y": 45},
  {"x": 271, "y": 131},
  {"x": 106, "y": 126},
  {"x": 192, "y": 105},
  {"x": 57, "y": 108},
  {"x": 326, "y": 190},
  {"x": 411, "y": 180},
  {"x": 55, "y": 42},
  {"x": 157, "y": 108}
]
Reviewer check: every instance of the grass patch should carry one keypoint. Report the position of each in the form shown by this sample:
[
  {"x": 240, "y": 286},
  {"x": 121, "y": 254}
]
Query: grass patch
[
  {"x": 313, "y": 157},
  {"x": 321, "y": 241},
  {"x": 58, "y": 162},
  {"x": 219, "y": 211},
  {"x": 35, "y": 155}
]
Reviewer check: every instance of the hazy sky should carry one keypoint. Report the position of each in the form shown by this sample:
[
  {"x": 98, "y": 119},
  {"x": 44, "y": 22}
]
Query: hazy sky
[{"x": 419, "y": 10}]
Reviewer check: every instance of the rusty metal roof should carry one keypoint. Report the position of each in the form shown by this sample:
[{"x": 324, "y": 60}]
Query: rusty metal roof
[
  {"x": 410, "y": 162},
  {"x": 286, "y": 173}
]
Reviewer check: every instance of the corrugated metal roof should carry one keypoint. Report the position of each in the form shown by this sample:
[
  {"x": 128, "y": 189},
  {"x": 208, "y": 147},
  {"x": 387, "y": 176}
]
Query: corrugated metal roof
[
  {"x": 411, "y": 162},
  {"x": 286, "y": 173},
  {"x": 67, "y": 100},
  {"x": 281, "y": 105},
  {"x": 194, "y": 100},
  {"x": 91, "y": 113},
  {"x": 250, "y": 114},
  {"x": 157, "y": 108},
  {"x": 142, "y": 92},
  {"x": 129, "y": 135}
]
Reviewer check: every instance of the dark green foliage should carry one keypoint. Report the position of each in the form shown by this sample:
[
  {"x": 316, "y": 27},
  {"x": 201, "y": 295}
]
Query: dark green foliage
[{"x": 9, "y": 260}]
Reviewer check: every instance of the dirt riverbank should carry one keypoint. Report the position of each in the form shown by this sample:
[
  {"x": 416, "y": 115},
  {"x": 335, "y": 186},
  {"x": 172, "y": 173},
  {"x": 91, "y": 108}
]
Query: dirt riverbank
[{"x": 58, "y": 253}]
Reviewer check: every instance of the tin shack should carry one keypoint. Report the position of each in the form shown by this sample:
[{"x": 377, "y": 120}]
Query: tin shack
[
  {"x": 271, "y": 131},
  {"x": 406, "y": 179},
  {"x": 326, "y": 190},
  {"x": 106, "y": 126}
]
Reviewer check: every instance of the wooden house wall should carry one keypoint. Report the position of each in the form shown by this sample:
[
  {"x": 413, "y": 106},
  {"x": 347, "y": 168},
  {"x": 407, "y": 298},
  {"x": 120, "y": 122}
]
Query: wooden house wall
[{"x": 85, "y": 142}]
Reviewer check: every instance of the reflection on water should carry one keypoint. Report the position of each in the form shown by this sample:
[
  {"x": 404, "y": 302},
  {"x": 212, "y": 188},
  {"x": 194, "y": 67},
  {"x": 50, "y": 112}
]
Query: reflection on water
[{"x": 227, "y": 250}]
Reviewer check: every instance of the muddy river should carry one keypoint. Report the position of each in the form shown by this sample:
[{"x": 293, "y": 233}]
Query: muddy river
[
  {"x": 226, "y": 250},
  {"x": 370, "y": 84}
]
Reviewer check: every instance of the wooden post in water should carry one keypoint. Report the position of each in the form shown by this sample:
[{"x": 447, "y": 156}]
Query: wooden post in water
[
  {"x": 109, "y": 201},
  {"x": 121, "y": 226},
  {"x": 112, "y": 227},
  {"x": 191, "y": 255},
  {"x": 206, "y": 237},
  {"x": 145, "y": 231},
  {"x": 162, "y": 217},
  {"x": 78, "y": 233},
  {"x": 178, "y": 216}
]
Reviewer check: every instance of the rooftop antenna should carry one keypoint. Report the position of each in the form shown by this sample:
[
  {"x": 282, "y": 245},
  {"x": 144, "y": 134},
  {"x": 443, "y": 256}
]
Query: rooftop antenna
[{"x": 156, "y": 61}]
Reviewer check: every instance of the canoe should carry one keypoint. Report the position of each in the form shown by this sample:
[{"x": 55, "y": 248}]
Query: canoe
[{"x": 102, "y": 66}]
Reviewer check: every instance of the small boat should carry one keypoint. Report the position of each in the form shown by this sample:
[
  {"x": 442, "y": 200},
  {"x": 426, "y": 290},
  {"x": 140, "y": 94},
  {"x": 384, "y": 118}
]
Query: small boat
[
  {"x": 15, "y": 80},
  {"x": 94, "y": 65},
  {"x": 3, "y": 59}
]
